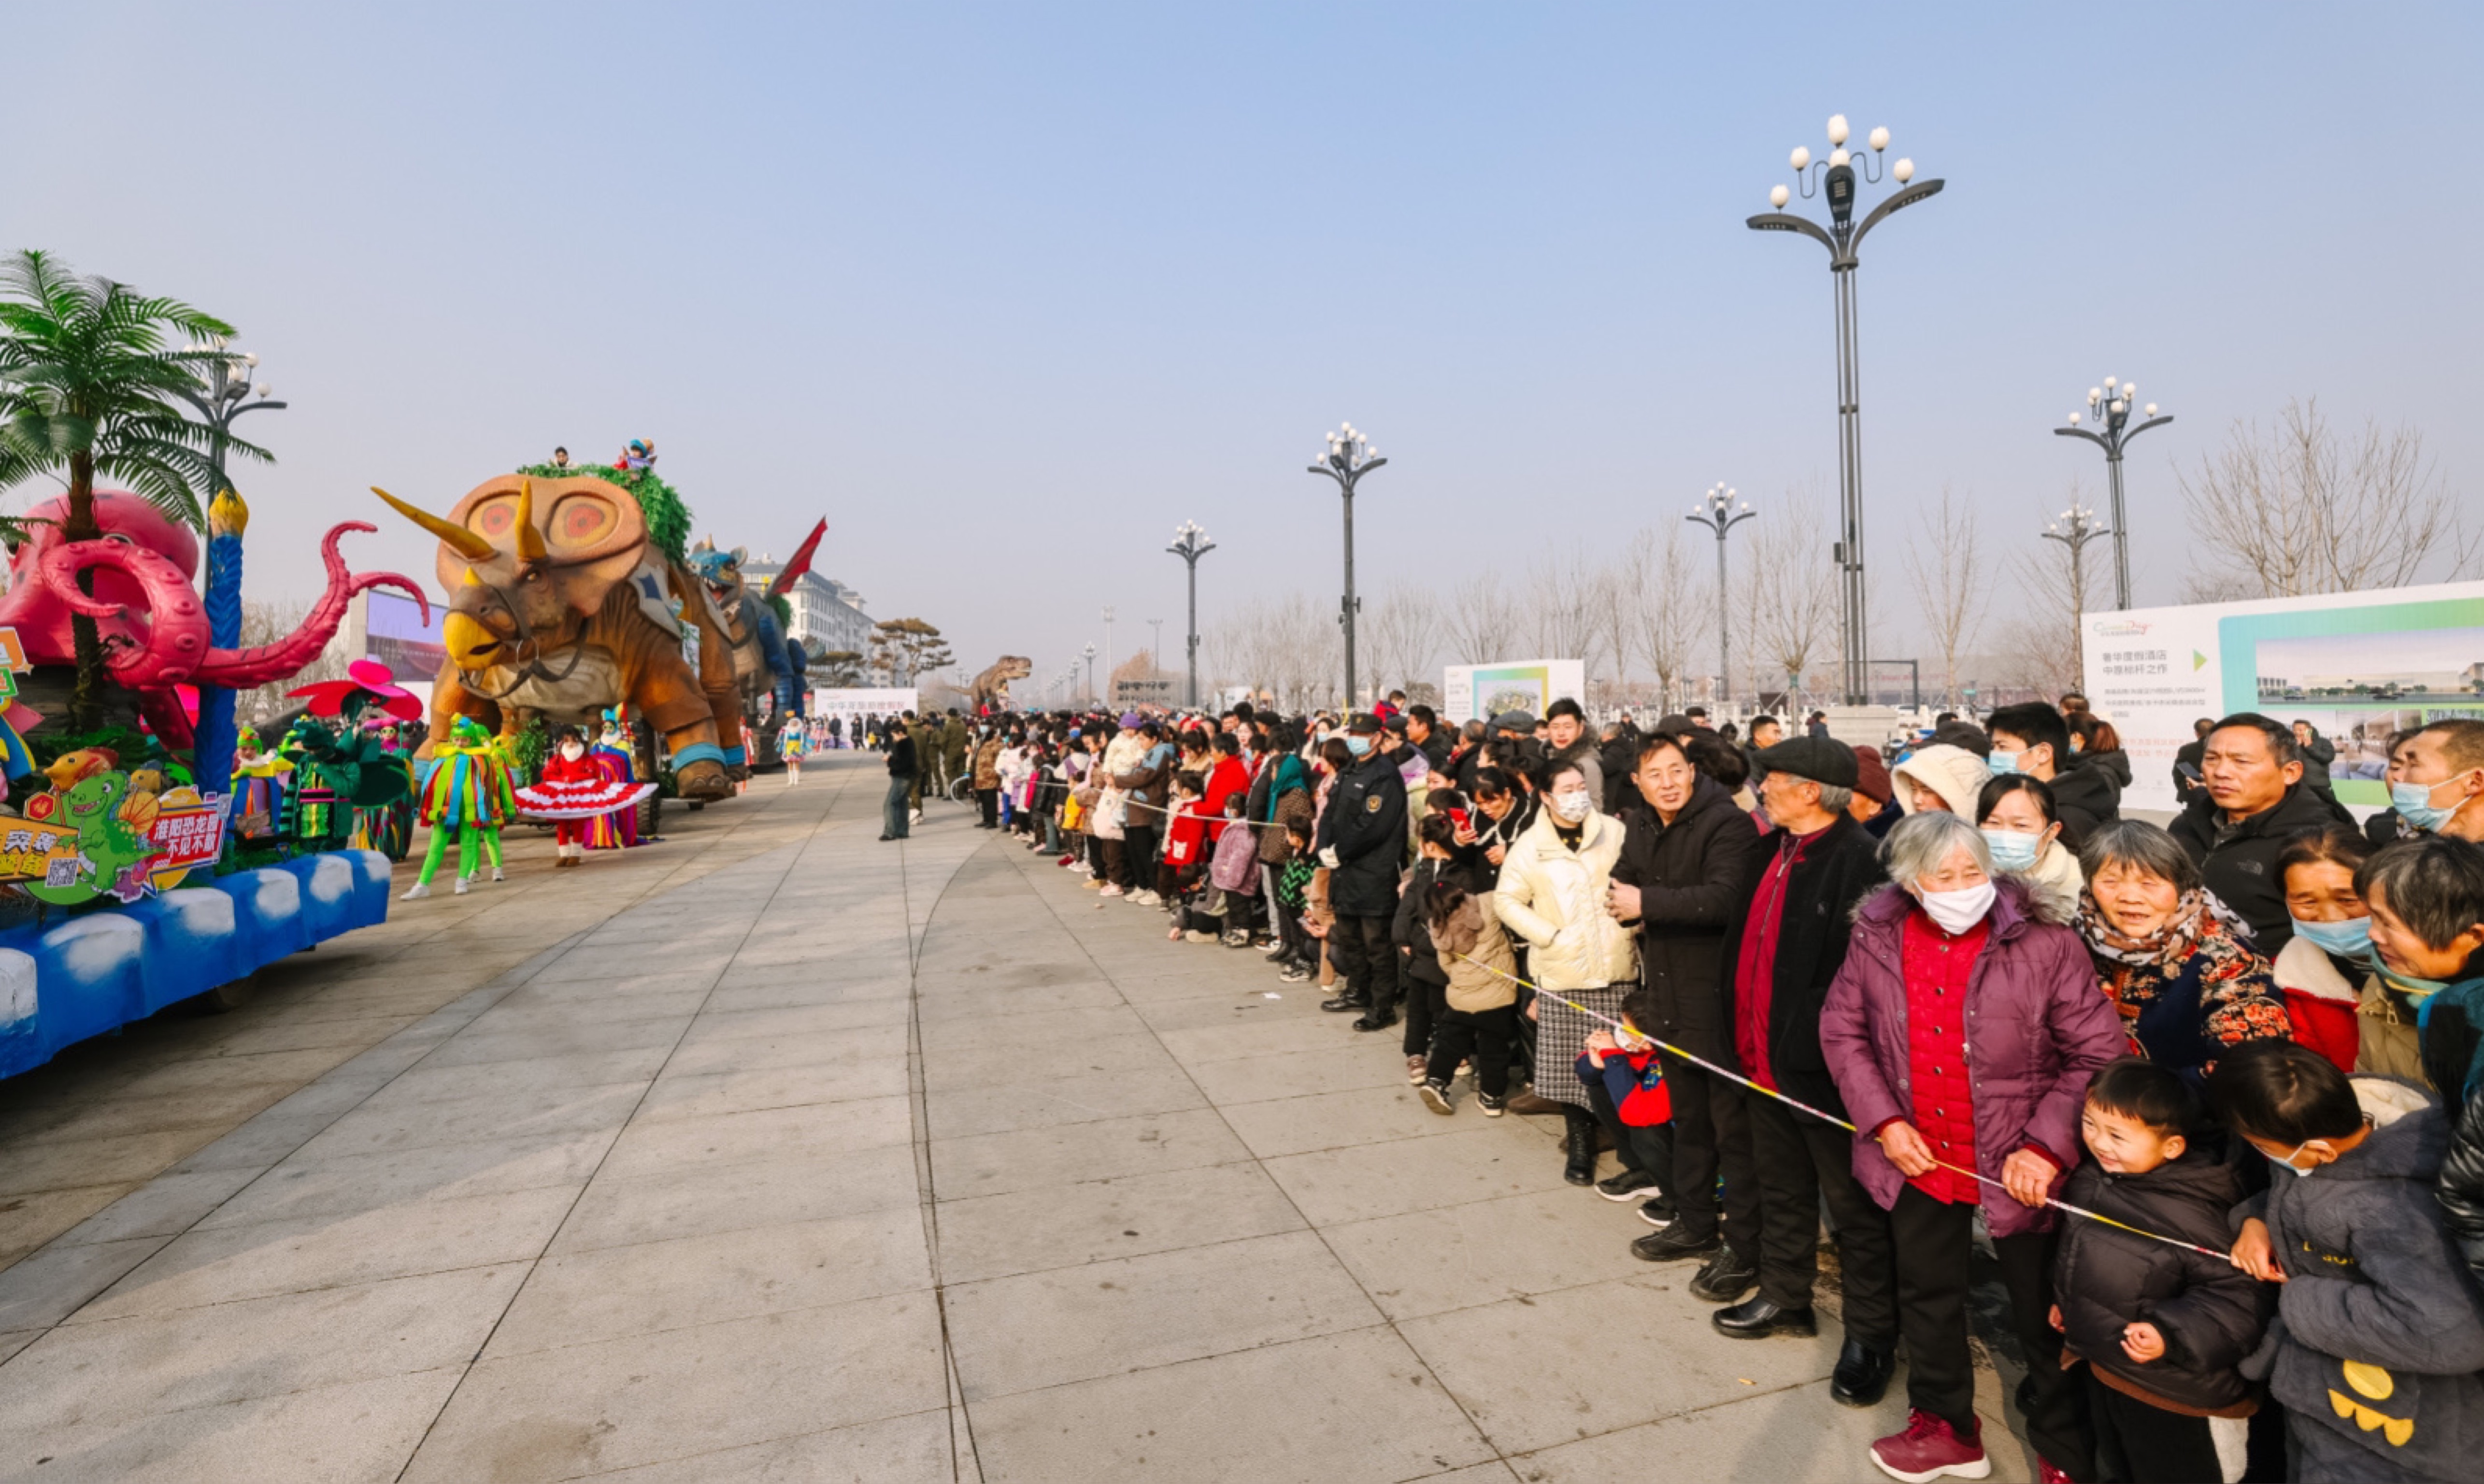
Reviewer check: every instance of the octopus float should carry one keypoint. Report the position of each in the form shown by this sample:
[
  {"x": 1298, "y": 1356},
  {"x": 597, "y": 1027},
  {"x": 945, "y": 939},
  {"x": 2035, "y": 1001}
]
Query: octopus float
[{"x": 149, "y": 613}]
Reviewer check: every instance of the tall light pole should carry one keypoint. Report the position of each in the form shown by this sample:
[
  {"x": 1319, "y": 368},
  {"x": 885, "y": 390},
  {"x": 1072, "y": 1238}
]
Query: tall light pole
[
  {"x": 1190, "y": 543},
  {"x": 1090, "y": 653},
  {"x": 1717, "y": 511},
  {"x": 1349, "y": 457},
  {"x": 2075, "y": 529},
  {"x": 2110, "y": 405},
  {"x": 1842, "y": 237},
  {"x": 1108, "y": 651},
  {"x": 225, "y": 394}
]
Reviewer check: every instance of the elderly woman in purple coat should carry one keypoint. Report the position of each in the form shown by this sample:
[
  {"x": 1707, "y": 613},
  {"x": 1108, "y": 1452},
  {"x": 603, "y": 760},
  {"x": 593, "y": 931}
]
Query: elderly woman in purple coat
[{"x": 1962, "y": 1031}]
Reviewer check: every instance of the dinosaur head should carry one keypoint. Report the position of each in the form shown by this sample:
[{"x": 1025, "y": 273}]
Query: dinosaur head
[
  {"x": 720, "y": 571},
  {"x": 527, "y": 561},
  {"x": 91, "y": 799}
]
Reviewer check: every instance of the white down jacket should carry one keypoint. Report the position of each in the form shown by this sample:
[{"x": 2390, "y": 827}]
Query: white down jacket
[{"x": 1554, "y": 896}]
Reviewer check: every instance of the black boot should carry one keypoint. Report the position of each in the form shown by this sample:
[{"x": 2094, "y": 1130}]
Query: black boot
[
  {"x": 1346, "y": 999},
  {"x": 1581, "y": 1169}
]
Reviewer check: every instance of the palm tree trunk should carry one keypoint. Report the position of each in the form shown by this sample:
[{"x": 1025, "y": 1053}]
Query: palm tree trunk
[{"x": 86, "y": 700}]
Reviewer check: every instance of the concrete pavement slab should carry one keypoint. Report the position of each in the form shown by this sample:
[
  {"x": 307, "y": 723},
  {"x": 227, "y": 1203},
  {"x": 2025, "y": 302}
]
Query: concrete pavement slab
[{"x": 1062, "y": 1226}]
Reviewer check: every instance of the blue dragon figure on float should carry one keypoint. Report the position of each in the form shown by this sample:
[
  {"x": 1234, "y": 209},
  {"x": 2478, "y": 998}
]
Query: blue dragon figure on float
[{"x": 765, "y": 665}]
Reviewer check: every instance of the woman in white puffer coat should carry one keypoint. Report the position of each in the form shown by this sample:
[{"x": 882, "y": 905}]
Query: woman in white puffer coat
[{"x": 1551, "y": 892}]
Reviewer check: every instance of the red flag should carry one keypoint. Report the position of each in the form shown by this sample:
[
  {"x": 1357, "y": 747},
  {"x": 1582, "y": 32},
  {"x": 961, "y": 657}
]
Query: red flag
[{"x": 799, "y": 562}]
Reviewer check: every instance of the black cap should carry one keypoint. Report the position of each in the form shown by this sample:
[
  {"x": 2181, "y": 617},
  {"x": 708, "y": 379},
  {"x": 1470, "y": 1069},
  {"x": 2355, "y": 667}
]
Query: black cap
[
  {"x": 1518, "y": 721},
  {"x": 1820, "y": 759},
  {"x": 1365, "y": 723}
]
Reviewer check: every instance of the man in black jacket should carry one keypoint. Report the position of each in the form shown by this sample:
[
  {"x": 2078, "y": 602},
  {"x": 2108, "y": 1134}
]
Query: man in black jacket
[
  {"x": 2253, "y": 801},
  {"x": 1686, "y": 851},
  {"x": 1363, "y": 843},
  {"x": 901, "y": 782},
  {"x": 1783, "y": 944},
  {"x": 2035, "y": 740}
]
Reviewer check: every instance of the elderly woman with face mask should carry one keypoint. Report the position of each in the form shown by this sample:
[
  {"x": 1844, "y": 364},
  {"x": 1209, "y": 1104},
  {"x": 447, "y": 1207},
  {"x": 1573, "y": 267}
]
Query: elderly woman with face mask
[
  {"x": 1554, "y": 883},
  {"x": 2176, "y": 962},
  {"x": 1962, "y": 1031}
]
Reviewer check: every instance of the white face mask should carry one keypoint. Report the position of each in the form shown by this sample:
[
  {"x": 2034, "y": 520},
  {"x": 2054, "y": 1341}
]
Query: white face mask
[
  {"x": 1958, "y": 910},
  {"x": 1572, "y": 806},
  {"x": 572, "y": 751}
]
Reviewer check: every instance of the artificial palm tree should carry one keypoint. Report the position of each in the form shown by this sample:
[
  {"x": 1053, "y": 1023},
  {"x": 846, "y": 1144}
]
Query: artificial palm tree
[{"x": 88, "y": 373}]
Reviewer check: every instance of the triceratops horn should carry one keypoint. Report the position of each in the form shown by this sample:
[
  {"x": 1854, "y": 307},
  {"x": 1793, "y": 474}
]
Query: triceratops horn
[
  {"x": 457, "y": 538},
  {"x": 530, "y": 541}
]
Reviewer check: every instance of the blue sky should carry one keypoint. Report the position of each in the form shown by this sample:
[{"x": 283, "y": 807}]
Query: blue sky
[{"x": 1007, "y": 291}]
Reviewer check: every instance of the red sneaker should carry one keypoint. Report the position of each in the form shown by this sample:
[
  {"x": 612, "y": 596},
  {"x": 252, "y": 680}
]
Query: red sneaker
[
  {"x": 1928, "y": 1449},
  {"x": 2046, "y": 1473}
]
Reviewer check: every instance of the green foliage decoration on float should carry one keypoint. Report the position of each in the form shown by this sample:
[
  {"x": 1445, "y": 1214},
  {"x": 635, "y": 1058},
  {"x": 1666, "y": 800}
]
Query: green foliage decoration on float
[{"x": 669, "y": 517}]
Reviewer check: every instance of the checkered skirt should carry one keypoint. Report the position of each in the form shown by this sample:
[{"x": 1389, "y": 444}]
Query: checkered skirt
[{"x": 1561, "y": 1034}]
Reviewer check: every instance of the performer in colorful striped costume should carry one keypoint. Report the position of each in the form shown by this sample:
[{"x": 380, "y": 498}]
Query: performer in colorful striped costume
[{"x": 468, "y": 799}]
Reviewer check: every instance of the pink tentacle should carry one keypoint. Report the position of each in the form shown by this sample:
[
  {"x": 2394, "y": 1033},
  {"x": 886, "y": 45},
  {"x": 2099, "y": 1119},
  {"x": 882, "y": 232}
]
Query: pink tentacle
[
  {"x": 163, "y": 712},
  {"x": 240, "y": 669},
  {"x": 168, "y": 646}
]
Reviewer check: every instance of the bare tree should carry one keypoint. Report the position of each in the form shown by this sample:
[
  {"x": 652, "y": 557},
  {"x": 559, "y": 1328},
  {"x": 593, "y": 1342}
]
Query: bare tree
[
  {"x": 1952, "y": 587},
  {"x": 2300, "y": 508},
  {"x": 1399, "y": 636},
  {"x": 2041, "y": 639},
  {"x": 1795, "y": 616},
  {"x": 1666, "y": 602},
  {"x": 1561, "y": 608},
  {"x": 1617, "y": 617},
  {"x": 265, "y": 621},
  {"x": 1481, "y": 623}
]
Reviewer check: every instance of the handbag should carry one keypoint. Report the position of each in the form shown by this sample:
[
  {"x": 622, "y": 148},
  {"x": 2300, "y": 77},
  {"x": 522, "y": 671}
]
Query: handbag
[{"x": 1111, "y": 815}]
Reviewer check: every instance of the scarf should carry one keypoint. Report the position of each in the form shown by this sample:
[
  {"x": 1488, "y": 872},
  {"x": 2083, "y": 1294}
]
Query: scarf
[{"x": 2198, "y": 915}]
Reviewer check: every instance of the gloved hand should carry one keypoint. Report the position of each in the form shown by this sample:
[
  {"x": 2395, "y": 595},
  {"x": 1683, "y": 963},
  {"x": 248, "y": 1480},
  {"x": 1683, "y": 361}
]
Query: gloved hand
[{"x": 1328, "y": 857}]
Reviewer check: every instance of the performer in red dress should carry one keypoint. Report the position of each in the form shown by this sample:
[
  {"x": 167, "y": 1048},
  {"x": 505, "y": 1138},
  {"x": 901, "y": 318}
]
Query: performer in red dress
[{"x": 572, "y": 790}]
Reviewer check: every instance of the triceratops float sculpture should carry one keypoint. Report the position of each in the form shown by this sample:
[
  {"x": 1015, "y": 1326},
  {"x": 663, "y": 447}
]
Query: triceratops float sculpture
[
  {"x": 151, "y": 621},
  {"x": 559, "y": 605}
]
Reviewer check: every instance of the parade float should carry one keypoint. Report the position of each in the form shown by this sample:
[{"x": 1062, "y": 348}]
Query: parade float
[
  {"x": 768, "y": 669},
  {"x": 133, "y": 890}
]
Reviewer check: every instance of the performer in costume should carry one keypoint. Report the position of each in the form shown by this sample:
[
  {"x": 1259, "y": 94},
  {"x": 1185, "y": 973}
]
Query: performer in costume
[
  {"x": 574, "y": 791},
  {"x": 618, "y": 829},
  {"x": 388, "y": 828},
  {"x": 466, "y": 793},
  {"x": 791, "y": 744},
  {"x": 259, "y": 780}
]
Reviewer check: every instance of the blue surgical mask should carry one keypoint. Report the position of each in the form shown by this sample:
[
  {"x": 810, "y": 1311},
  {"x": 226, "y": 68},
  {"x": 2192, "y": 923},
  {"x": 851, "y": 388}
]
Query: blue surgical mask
[
  {"x": 2012, "y": 850},
  {"x": 2348, "y": 939},
  {"x": 2414, "y": 803},
  {"x": 1357, "y": 744},
  {"x": 2000, "y": 762}
]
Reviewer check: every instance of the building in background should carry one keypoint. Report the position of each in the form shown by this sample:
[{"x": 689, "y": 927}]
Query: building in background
[{"x": 824, "y": 609}]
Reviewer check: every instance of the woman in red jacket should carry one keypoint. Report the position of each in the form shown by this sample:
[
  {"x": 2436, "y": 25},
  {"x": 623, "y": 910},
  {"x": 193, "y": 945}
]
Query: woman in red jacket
[{"x": 1962, "y": 1030}]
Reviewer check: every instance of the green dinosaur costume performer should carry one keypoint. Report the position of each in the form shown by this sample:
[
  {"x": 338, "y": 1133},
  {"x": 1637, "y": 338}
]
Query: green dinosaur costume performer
[{"x": 468, "y": 798}]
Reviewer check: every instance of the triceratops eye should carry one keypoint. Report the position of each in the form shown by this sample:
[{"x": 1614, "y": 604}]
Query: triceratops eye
[{"x": 583, "y": 520}]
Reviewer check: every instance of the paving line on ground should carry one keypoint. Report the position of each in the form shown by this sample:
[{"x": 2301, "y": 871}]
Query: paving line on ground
[
  {"x": 795, "y": 847},
  {"x": 1386, "y": 1322}
]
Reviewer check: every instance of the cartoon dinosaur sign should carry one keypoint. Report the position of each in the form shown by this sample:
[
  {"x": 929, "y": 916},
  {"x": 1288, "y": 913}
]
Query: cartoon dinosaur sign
[{"x": 103, "y": 832}]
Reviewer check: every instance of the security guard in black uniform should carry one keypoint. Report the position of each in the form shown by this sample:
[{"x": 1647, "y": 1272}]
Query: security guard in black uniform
[{"x": 1363, "y": 842}]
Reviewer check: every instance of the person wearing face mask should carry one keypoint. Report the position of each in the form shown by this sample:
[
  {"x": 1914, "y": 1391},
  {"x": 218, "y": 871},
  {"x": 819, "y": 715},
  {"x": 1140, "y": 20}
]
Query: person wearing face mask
[
  {"x": 2439, "y": 785},
  {"x": 1552, "y": 894},
  {"x": 1942, "y": 776},
  {"x": 2427, "y": 898},
  {"x": 1962, "y": 1030},
  {"x": 2173, "y": 959},
  {"x": 2032, "y": 738},
  {"x": 2015, "y": 813},
  {"x": 567, "y": 769},
  {"x": 1567, "y": 739},
  {"x": 2326, "y": 971},
  {"x": 2379, "y": 1333},
  {"x": 1361, "y": 840},
  {"x": 1784, "y": 943}
]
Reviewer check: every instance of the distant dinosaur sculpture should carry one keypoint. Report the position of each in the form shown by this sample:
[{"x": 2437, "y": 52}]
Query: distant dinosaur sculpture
[{"x": 990, "y": 689}]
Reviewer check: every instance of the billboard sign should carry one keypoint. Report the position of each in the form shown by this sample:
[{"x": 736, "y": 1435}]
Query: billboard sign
[
  {"x": 857, "y": 702},
  {"x": 2358, "y": 666},
  {"x": 1469, "y": 692}
]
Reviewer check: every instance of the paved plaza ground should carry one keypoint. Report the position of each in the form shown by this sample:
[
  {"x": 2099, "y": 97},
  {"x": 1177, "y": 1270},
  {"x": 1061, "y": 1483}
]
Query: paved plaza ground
[{"x": 777, "y": 1153}]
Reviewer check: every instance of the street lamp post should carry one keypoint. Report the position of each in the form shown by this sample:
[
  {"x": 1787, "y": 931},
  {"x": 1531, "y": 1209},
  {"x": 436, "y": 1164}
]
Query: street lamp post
[
  {"x": 2075, "y": 529},
  {"x": 1190, "y": 543},
  {"x": 1349, "y": 457},
  {"x": 1090, "y": 653},
  {"x": 1108, "y": 651},
  {"x": 226, "y": 394},
  {"x": 1716, "y": 511},
  {"x": 1842, "y": 237},
  {"x": 2110, "y": 406}
]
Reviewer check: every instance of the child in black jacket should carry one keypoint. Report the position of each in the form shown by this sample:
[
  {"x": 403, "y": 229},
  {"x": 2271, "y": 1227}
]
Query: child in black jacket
[
  {"x": 2162, "y": 1331},
  {"x": 1418, "y": 966}
]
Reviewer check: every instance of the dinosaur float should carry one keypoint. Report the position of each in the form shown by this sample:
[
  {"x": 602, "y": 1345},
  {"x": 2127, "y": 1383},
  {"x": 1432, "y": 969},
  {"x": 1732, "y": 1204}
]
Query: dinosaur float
[
  {"x": 990, "y": 689},
  {"x": 561, "y": 606},
  {"x": 151, "y": 621},
  {"x": 763, "y": 665}
]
